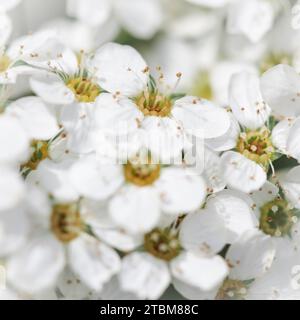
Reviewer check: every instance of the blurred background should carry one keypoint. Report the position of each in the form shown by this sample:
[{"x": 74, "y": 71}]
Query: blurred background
[{"x": 206, "y": 40}]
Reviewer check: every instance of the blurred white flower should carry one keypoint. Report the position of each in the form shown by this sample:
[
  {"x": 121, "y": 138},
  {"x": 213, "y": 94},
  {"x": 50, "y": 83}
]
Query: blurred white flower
[{"x": 141, "y": 18}]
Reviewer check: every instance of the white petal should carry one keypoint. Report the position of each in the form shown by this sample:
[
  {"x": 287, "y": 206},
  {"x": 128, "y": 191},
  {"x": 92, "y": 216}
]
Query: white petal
[
  {"x": 112, "y": 291},
  {"x": 70, "y": 286},
  {"x": 114, "y": 59},
  {"x": 52, "y": 90},
  {"x": 12, "y": 189},
  {"x": 14, "y": 141},
  {"x": 35, "y": 117},
  {"x": 200, "y": 272},
  {"x": 142, "y": 18},
  {"x": 95, "y": 181},
  {"x": 116, "y": 114},
  {"x": 250, "y": 256},
  {"x": 91, "y": 12},
  {"x": 290, "y": 184},
  {"x": 198, "y": 232},
  {"x": 228, "y": 140},
  {"x": 213, "y": 172},
  {"x": 37, "y": 266},
  {"x": 252, "y": 18},
  {"x": 193, "y": 293},
  {"x": 201, "y": 117},
  {"x": 237, "y": 211},
  {"x": 14, "y": 228},
  {"x": 163, "y": 136},
  {"x": 29, "y": 44},
  {"x": 241, "y": 173},
  {"x": 79, "y": 123},
  {"x": 136, "y": 209},
  {"x": 54, "y": 178},
  {"x": 180, "y": 191},
  {"x": 280, "y": 134},
  {"x": 265, "y": 194},
  {"x": 246, "y": 100},
  {"x": 94, "y": 262},
  {"x": 117, "y": 237},
  {"x": 280, "y": 88},
  {"x": 144, "y": 275},
  {"x": 292, "y": 146}
]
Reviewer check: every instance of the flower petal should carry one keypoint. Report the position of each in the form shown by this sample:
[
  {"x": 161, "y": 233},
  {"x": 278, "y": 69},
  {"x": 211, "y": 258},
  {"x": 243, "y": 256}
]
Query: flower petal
[
  {"x": 200, "y": 272},
  {"x": 94, "y": 262},
  {"x": 290, "y": 184},
  {"x": 124, "y": 61},
  {"x": 14, "y": 229},
  {"x": 280, "y": 88},
  {"x": 14, "y": 141},
  {"x": 250, "y": 256},
  {"x": 201, "y": 117},
  {"x": 37, "y": 265},
  {"x": 144, "y": 275},
  {"x": 35, "y": 117},
  {"x": 12, "y": 189},
  {"x": 246, "y": 100},
  {"x": 52, "y": 90},
  {"x": 180, "y": 190},
  {"x": 241, "y": 173},
  {"x": 93, "y": 180},
  {"x": 136, "y": 209},
  {"x": 198, "y": 232},
  {"x": 237, "y": 211}
]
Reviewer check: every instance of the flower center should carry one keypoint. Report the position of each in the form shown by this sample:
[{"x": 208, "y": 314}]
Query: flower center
[
  {"x": 66, "y": 222},
  {"x": 141, "y": 174},
  {"x": 84, "y": 89},
  {"x": 256, "y": 146},
  {"x": 4, "y": 62},
  {"x": 276, "y": 218},
  {"x": 232, "y": 290},
  {"x": 153, "y": 103},
  {"x": 273, "y": 59},
  {"x": 162, "y": 243},
  {"x": 39, "y": 153}
]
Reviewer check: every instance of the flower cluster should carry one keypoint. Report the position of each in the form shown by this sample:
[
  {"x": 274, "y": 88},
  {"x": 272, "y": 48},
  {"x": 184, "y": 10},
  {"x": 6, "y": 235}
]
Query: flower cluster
[{"x": 121, "y": 177}]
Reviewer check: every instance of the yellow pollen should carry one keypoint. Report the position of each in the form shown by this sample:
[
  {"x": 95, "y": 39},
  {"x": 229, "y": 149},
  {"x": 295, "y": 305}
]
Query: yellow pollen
[
  {"x": 256, "y": 146},
  {"x": 84, "y": 89},
  {"x": 162, "y": 243},
  {"x": 66, "y": 223},
  {"x": 154, "y": 104},
  {"x": 39, "y": 153},
  {"x": 141, "y": 174}
]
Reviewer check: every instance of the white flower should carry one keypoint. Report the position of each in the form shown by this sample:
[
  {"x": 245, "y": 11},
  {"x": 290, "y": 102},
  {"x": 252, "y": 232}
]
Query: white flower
[
  {"x": 143, "y": 104},
  {"x": 148, "y": 274},
  {"x": 59, "y": 238},
  {"x": 146, "y": 191},
  {"x": 141, "y": 18},
  {"x": 249, "y": 258},
  {"x": 245, "y": 168}
]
